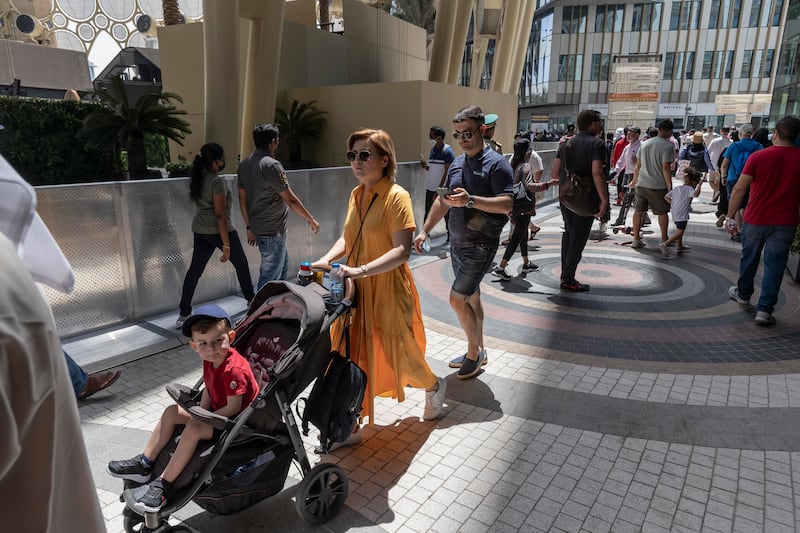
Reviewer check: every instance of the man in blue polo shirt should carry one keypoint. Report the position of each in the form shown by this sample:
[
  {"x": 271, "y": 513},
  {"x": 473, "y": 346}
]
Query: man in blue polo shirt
[{"x": 482, "y": 185}]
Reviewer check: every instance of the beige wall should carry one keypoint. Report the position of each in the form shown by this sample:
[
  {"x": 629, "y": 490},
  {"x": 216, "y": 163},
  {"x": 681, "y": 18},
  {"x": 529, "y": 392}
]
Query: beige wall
[
  {"x": 406, "y": 110},
  {"x": 43, "y": 67},
  {"x": 181, "y": 55}
]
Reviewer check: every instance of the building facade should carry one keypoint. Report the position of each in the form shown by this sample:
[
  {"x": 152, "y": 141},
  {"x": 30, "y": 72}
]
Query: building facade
[
  {"x": 703, "y": 48},
  {"x": 786, "y": 90}
]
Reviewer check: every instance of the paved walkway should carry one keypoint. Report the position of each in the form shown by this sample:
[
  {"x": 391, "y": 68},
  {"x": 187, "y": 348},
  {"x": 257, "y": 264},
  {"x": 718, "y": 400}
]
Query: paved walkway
[{"x": 651, "y": 403}]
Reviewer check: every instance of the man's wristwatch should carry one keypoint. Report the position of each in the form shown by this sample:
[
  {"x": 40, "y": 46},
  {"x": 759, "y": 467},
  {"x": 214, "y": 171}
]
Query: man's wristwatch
[{"x": 470, "y": 202}]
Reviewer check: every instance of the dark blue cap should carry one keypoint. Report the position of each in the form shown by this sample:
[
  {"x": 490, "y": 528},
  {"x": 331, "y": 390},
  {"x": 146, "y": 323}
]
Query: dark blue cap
[{"x": 205, "y": 311}]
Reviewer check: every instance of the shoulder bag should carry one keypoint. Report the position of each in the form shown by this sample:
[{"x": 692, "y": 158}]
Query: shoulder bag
[{"x": 578, "y": 194}]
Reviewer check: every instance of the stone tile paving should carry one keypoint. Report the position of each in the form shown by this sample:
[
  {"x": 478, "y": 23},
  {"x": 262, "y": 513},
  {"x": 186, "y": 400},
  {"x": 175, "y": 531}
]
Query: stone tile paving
[{"x": 544, "y": 439}]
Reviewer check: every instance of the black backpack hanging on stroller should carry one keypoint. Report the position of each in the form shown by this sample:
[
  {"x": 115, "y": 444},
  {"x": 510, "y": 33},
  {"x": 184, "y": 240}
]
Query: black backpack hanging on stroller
[{"x": 285, "y": 336}]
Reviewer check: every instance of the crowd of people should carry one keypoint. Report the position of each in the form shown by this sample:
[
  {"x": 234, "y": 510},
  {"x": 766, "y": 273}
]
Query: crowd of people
[{"x": 755, "y": 179}]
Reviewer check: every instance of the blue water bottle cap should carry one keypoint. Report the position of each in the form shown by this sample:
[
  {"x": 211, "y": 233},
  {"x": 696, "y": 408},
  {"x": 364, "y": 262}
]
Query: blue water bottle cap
[{"x": 334, "y": 265}]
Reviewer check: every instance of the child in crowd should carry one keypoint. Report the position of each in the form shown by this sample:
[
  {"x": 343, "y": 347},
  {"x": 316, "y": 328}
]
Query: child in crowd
[
  {"x": 230, "y": 387},
  {"x": 680, "y": 199}
]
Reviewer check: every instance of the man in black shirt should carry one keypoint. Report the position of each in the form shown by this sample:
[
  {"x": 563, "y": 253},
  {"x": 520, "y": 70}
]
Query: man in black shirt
[{"x": 587, "y": 157}]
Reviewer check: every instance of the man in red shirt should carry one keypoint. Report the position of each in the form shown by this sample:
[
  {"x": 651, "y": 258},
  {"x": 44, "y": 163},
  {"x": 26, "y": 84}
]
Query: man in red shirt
[
  {"x": 770, "y": 218},
  {"x": 615, "y": 155}
]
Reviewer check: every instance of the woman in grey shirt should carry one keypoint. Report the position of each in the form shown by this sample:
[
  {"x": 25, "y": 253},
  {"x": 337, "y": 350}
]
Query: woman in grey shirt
[{"x": 212, "y": 226}]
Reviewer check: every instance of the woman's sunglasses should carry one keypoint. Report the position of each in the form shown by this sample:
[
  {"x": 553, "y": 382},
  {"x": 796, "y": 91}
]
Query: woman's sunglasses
[
  {"x": 467, "y": 135},
  {"x": 363, "y": 155}
]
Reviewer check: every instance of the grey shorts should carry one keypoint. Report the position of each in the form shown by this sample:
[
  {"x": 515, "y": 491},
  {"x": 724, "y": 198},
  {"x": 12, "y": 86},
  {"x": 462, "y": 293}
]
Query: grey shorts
[{"x": 651, "y": 199}]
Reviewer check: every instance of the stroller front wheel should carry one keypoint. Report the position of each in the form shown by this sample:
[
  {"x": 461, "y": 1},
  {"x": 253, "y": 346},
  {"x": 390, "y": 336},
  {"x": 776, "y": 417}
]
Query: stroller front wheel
[
  {"x": 134, "y": 523},
  {"x": 321, "y": 493}
]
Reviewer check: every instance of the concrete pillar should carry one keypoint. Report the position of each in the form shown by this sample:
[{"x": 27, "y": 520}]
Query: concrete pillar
[
  {"x": 504, "y": 49},
  {"x": 443, "y": 30},
  {"x": 262, "y": 61},
  {"x": 521, "y": 47},
  {"x": 463, "y": 14},
  {"x": 479, "y": 44},
  {"x": 221, "y": 58}
]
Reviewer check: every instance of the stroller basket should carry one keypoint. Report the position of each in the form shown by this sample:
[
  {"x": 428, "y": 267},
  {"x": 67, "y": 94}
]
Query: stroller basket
[{"x": 242, "y": 483}]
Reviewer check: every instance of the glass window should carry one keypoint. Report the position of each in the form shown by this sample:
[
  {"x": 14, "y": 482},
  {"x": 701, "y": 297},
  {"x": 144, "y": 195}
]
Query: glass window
[
  {"x": 536, "y": 71},
  {"x": 714, "y": 15},
  {"x": 609, "y": 18},
  {"x": 600, "y": 64},
  {"x": 747, "y": 64},
  {"x": 755, "y": 11},
  {"x": 728, "y": 72},
  {"x": 669, "y": 65},
  {"x": 736, "y": 13},
  {"x": 685, "y": 15},
  {"x": 708, "y": 63},
  {"x": 758, "y": 63},
  {"x": 776, "y": 15},
  {"x": 646, "y": 17},
  {"x": 574, "y": 19},
  {"x": 570, "y": 67},
  {"x": 769, "y": 57},
  {"x": 689, "y": 65}
]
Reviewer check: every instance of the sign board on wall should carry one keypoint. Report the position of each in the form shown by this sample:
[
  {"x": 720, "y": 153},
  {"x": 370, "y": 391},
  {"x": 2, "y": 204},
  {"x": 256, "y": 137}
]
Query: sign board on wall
[{"x": 633, "y": 95}]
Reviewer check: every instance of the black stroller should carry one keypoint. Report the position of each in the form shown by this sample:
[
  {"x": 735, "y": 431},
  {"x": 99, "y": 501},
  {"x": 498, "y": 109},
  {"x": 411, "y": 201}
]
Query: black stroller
[{"x": 285, "y": 337}]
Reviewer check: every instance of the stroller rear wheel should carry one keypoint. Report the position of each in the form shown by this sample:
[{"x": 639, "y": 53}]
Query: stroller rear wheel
[{"x": 321, "y": 494}]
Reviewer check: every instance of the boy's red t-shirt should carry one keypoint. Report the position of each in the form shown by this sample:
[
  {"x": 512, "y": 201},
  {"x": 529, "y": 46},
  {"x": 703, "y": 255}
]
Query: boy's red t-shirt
[{"x": 233, "y": 377}]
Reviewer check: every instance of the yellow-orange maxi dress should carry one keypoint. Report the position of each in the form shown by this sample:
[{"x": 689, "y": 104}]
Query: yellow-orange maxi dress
[{"x": 387, "y": 335}]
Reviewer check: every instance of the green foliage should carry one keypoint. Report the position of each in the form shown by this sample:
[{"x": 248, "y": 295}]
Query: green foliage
[
  {"x": 421, "y": 13},
  {"x": 179, "y": 168},
  {"x": 41, "y": 141},
  {"x": 795, "y": 249},
  {"x": 116, "y": 119},
  {"x": 302, "y": 122},
  {"x": 157, "y": 150}
]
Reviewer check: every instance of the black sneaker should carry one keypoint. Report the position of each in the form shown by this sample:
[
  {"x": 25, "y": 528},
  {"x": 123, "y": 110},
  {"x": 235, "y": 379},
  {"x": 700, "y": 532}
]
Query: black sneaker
[
  {"x": 458, "y": 361},
  {"x": 573, "y": 286},
  {"x": 155, "y": 497},
  {"x": 500, "y": 273},
  {"x": 530, "y": 267},
  {"x": 135, "y": 469},
  {"x": 470, "y": 368}
]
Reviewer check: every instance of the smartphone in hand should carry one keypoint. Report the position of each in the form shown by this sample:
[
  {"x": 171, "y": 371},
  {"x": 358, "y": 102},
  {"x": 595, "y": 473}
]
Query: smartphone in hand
[{"x": 444, "y": 191}]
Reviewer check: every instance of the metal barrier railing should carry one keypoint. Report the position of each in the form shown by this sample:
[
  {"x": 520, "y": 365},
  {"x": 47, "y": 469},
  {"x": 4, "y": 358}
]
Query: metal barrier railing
[{"x": 130, "y": 242}]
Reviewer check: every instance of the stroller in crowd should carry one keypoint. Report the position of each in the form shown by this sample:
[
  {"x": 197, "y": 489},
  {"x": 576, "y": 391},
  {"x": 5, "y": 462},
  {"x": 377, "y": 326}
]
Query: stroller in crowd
[{"x": 285, "y": 337}]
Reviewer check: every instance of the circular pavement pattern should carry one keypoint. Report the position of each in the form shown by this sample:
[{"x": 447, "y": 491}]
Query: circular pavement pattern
[{"x": 641, "y": 307}]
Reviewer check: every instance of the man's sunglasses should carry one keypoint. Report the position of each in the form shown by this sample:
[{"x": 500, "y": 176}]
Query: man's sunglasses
[
  {"x": 363, "y": 155},
  {"x": 466, "y": 135}
]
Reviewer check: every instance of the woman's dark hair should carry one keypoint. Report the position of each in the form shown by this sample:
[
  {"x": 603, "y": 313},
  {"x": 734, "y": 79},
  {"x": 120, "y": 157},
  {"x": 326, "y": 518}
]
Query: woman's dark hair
[
  {"x": 209, "y": 153},
  {"x": 520, "y": 151},
  {"x": 761, "y": 136}
]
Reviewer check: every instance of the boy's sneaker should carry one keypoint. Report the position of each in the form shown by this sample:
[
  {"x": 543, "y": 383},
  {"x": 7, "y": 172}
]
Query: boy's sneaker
[
  {"x": 662, "y": 246},
  {"x": 733, "y": 292},
  {"x": 573, "y": 286},
  {"x": 134, "y": 469},
  {"x": 530, "y": 267},
  {"x": 434, "y": 401},
  {"x": 637, "y": 243},
  {"x": 458, "y": 361},
  {"x": 764, "y": 319},
  {"x": 500, "y": 273},
  {"x": 471, "y": 368},
  {"x": 153, "y": 500}
]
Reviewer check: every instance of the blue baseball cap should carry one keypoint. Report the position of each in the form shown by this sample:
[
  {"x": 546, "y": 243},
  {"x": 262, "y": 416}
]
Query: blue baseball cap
[{"x": 205, "y": 311}]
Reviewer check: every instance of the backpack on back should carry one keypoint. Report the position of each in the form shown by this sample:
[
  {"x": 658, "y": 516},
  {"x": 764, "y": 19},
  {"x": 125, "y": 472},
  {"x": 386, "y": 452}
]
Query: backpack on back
[
  {"x": 697, "y": 160},
  {"x": 334, "y": 404},
  {"x": 737, "y": 164},
  {"x": 524, "y": 201}
]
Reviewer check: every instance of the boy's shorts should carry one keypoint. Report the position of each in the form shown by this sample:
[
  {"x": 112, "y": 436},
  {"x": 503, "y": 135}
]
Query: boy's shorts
[
  {"x": 652, "y": 199},
  {"x": 470, "y": 264}
]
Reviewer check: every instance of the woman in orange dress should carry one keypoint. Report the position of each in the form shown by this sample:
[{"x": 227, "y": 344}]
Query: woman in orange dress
[{"x": 387, "y": 334}]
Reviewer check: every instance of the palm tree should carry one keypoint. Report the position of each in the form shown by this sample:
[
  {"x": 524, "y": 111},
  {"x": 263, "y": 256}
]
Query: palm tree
[
  {"x": 303, "y": 121},
  {"x": 118, "y": 121},
  {"x": 172, "y": 14}
]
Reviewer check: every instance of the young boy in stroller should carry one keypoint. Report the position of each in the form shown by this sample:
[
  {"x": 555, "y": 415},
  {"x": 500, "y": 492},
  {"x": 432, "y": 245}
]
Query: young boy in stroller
[{"x": 230, "y": 387}]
